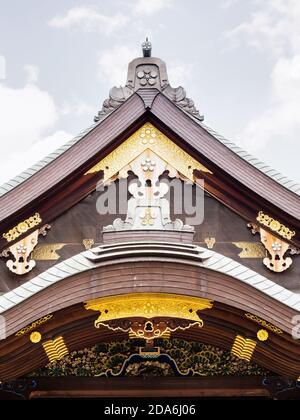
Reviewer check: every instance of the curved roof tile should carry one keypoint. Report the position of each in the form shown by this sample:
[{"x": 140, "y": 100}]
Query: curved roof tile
[{"x": 91, "y": 259}]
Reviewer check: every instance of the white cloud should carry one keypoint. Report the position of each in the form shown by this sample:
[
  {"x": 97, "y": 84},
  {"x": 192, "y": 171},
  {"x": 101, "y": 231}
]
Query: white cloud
[
  {"x": 146, "y": 7},
  {"x": 112, "y": 64},
  {"x": 28, "y": 115},
  {"x": 32, "y": 73},
  {"x": 178, "y": 73},
  {"x": 229, "y": 3},
  {"x": 76, "y": 107},
  {"x": 279, "y": 125},
  {"x": 89, "y": 19},
  {"x": 19, "y": 162},
  {"x": 2, "y": 67},
  {"x": 275, "y": 29}
]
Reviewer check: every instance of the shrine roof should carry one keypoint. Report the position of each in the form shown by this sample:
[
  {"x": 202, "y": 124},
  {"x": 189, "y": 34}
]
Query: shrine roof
[{"x": 148, "y": 72}]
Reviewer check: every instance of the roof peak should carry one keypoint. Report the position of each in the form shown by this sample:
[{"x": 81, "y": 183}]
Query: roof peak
[
  {"x": 147, "y": 48},
  {"x": 148, "y": 72}
]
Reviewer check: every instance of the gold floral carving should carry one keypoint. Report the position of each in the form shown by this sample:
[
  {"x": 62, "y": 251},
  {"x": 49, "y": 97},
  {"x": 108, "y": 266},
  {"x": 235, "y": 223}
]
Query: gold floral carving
[
  {"x": 34, "y": 325},
  {"x": 148, "y": 218},
  {"x": 210, "y": 242},
  {"x": 55, "y": 349},
  {"x": 88, "y": 243},
  {"x": 23, "y": 227},
  {"x": 264, "y": 323},
  {"x": 243, "y": 348},
  {"x": 148, "y": 137},
  {"x": 22, "y": 263},
  {"x": 275, "y": 226},
  {"x": 35, "y": 337},
  {"x": 150, "y": 329},
  {"x": 20, "y": 254},
  {"x": 148, "y": 306},
  {"x": 262, "y": 335},
  {"x": 275, "y": 260},
  {"x": 251, "y": 249},
  {"x": 47, "y": 252}
]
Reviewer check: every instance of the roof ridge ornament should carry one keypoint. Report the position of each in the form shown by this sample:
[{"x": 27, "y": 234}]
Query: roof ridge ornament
[
  {"x": 147, "y": 72},
  {"x": 147, "y": 48}
]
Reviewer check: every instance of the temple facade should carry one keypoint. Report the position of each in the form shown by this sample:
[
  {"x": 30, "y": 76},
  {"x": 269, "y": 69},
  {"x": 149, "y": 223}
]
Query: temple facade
[{"x": 149, "y": 246}]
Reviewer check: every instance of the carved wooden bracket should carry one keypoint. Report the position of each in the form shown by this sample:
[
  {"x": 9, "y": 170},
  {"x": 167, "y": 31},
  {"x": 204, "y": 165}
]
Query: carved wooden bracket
[
  {"x": 22, "y": 262},
  {"x": 276, "y": 259}
]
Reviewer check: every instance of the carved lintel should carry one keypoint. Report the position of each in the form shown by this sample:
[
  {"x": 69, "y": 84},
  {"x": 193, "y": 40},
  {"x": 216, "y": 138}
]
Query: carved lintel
[
  {"x": 22, "y": 262},
  {"x": 147, "y": 306},
  {"x": 149, "y": 329}
]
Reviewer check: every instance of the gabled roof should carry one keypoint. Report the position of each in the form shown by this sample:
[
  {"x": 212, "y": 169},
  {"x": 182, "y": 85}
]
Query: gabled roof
[
  {"x": 239, "y": 180},
  {"x": 28, "y": 173},
  {"x": 258, "y": 164},
  {"x": 261, "y": 166}
]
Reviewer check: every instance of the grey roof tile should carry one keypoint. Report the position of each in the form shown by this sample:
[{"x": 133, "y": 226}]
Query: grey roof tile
[
  {"x": 215, "y": 262},
  {"x": 11, "y": 184},
  {"x": 275, "y": 175}
]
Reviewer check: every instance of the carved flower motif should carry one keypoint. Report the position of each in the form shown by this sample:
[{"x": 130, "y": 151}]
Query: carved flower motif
[
  {"x": 21, "y": 249},
  {"x": 148, "y": 165},
  {"x": 276, "y": 246},
  {"x": 275, "y": 225},
  {"x": 148, "y": 135},
  {"x": 22, "y": 227},
  {"x": 147, "y": 76}
]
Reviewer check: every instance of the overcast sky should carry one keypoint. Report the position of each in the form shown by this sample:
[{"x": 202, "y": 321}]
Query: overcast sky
[{"x": 239, "y": 60}]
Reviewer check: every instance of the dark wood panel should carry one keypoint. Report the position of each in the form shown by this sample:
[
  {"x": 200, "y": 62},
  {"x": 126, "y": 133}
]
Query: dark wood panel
[{"x": 280, "y": 354}]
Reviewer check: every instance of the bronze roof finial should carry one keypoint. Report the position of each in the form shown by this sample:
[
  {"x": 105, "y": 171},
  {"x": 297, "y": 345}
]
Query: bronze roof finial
[{"x": 147, "y": 48}]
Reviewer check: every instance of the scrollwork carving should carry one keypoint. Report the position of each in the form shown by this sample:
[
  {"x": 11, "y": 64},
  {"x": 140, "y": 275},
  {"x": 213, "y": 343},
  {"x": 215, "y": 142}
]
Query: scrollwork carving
[{"x": 20, "y": 253}]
